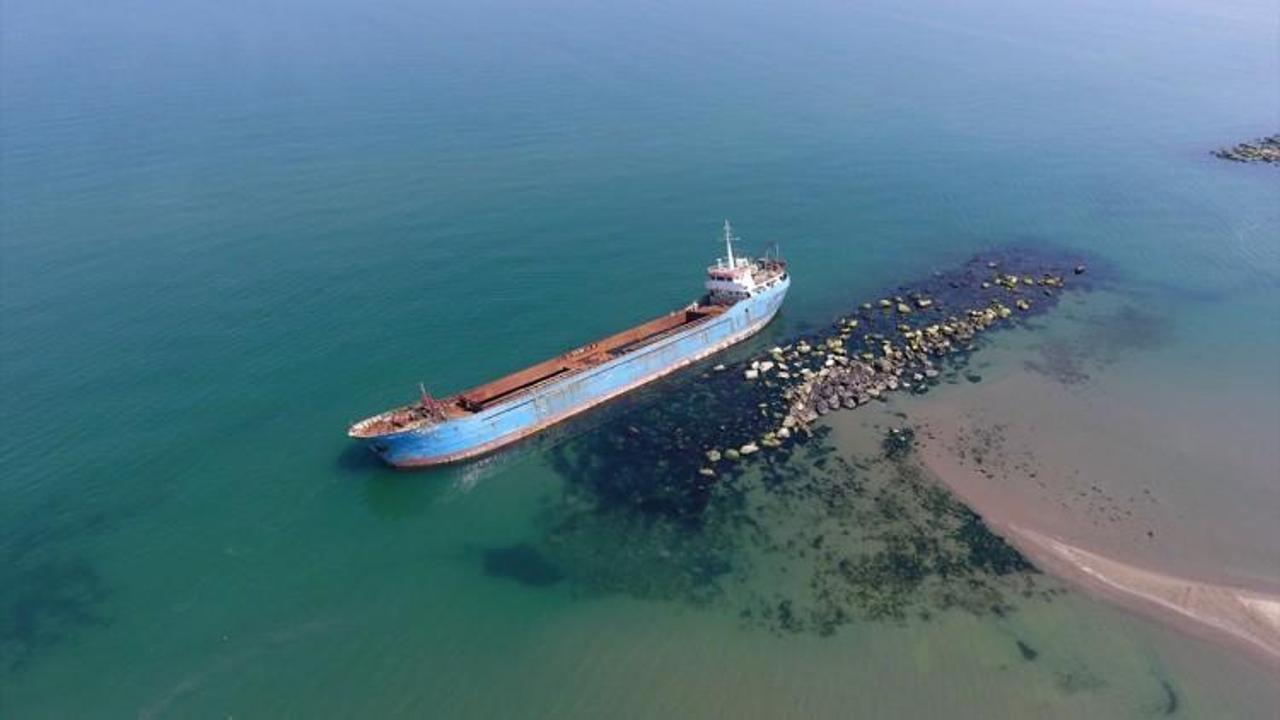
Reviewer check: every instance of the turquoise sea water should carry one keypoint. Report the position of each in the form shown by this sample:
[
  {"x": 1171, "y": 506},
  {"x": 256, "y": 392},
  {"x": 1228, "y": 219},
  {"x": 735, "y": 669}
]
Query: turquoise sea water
[{"x": 228, "y": 230}]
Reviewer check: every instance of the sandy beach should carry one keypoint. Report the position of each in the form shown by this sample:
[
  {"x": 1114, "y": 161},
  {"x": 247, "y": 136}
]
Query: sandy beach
[
  {"x": 1102, "y": 519},
  {"x": 1242, "y": 616}
]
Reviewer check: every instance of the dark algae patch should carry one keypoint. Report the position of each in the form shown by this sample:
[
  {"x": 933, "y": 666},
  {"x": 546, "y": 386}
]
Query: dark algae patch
[
  {"x": 46, "y": 604},
  {"x": 1104, "y": 338},
  {"x": 806, "y": 545},
  {"x": 1027, "y": 652},
  {"x": 1170, "y": 698},
  {"x": 522, "y": 563},
  {"x": 48, "y": 592},
  {"x": 699, "y": 490},
  {"x": 898, "y": 442},
  {"x": 902, "y": 548},
  {"x": 1078, "y": 679}
]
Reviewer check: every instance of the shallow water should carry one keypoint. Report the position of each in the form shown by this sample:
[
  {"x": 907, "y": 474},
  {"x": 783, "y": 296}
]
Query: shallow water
[
  {"x": 227, "y": 231},
  {"x": 1189, "y": 457}
]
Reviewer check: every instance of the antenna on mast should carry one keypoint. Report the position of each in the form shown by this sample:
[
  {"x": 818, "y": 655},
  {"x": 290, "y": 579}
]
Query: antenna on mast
[{"x": 728, "y": 241}]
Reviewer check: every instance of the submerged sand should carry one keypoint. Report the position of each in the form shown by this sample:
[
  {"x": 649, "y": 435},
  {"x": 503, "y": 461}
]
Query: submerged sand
[
  {"x": 1114, "y": 517},
  {"x": 1151, "y": 489}
]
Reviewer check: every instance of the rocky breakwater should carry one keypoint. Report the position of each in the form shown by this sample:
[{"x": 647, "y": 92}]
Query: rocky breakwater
[
  {"x": 901, "y": 342},
  {"x": 705, "y": 483},
  {"x": 1262, "y": 150}
]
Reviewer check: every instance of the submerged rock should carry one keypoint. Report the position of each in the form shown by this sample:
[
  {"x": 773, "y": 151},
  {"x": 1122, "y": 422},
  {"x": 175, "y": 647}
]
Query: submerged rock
[
  {"x": 1262, "y": 150},
  {"x": 898, "y": 442}
]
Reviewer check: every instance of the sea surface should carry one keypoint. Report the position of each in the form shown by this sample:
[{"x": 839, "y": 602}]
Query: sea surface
[{"x": 229, "y": 229}]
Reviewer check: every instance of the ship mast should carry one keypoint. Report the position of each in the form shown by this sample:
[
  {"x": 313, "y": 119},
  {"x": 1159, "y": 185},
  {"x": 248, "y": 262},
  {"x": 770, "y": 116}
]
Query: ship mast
[{"x": 728, "y": 242}]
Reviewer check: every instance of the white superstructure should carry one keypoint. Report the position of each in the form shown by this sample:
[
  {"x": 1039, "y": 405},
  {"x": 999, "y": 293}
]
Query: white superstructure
[{"x": 733, "y": 278}]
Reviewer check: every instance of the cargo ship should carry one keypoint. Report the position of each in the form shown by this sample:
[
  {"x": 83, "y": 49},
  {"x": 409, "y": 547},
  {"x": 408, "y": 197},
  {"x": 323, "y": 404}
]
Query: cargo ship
[{"x": 742, "y": 296}]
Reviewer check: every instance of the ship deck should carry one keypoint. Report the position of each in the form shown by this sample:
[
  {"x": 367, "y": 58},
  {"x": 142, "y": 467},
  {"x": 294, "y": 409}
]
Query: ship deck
[{"x": 509, "y": 387}]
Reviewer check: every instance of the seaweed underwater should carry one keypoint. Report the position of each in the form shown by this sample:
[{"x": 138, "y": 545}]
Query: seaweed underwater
[
  {"x": 702, "y": 490},
  {"x": 48, "y": 593},
  {"x": 1102, "y": 339}
]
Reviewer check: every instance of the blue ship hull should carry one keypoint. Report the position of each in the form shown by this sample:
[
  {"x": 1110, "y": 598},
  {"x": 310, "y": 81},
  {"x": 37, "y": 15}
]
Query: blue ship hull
[{"x": 526, "y": 413}]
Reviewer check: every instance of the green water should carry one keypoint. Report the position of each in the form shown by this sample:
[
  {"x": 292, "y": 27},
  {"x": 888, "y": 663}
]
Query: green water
[{"x": 229, "y": 230}]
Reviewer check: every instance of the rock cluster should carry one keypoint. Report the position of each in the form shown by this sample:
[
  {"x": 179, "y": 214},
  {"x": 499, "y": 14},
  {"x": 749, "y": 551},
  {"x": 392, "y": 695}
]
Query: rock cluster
[
  {"x": 906, "y": 362},
  {"x": 1263, "y": 150},
  {"x": 668, "y": 447},
  {"x": 894, "y": 344}
]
